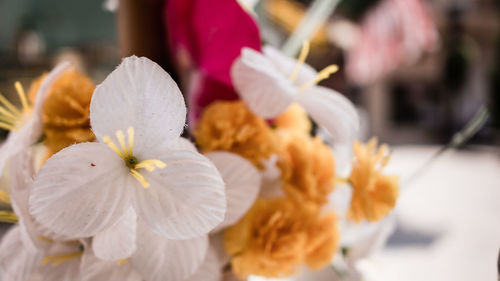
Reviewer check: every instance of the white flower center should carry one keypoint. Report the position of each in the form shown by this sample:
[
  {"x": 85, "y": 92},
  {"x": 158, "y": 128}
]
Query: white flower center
[
  {"x": 12, "y": 118},
  {"x": 126, "y": 153}
]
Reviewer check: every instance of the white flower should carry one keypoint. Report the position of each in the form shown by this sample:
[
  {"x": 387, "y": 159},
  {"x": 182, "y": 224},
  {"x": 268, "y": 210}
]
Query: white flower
[
  {"x": 25, "y": 124},
  {"x": 268, "y": 83},
  {"x": 86, "y": 188},
  {"x": 56, "y": 261}
]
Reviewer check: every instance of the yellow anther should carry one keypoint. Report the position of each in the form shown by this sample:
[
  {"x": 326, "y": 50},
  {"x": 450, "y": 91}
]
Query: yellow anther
[
  {"x": 122, "y": 261},
  {"x": 112, "y": 145},
  {"x": 121, "y": 140},
  {"x": 4, "y": 197},
  {"x": 45, "y": 239},
  {"x": 60, "y": 258},
  {"x": 10, "y": 107},
  {"x": 140, "y": 178},
  {"x": 8, "y": 217},
  {"x": 130, "y": 132},
  {"x": 306, "y": 46},
  {"x": 322, "y": 75},
  {"x": 22, "y": 95},
  {"x": 150, "y": 165}
]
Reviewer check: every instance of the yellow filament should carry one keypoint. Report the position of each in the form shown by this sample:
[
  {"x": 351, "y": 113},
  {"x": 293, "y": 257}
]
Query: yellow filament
[
  {"x": 138, "y": 176},
  {"x": 7, "y": 119},
  {"x": 130, "y": 132},
  {"x": 8, "y": 217},
  {"x": 6, "y": 126},
  {"x": 121, "y": 140},
  {"x": 45, "y": 239},
  {"x": 4, "y": 197},
  {"x": 8, "y": 114},
  {"x": 112, "y": 145},
  {"x": 22, "y": 95},
  {"x": 122, "y": 261},
  {"x": 9, "y": 106},
  {"x": 306, "y": 46},
  {"x": 60, "y": 258},
  {"x": 150, "y": 165},
  {"x": 322, "y": 75}
]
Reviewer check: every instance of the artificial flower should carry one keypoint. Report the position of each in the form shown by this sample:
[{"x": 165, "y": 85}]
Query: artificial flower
[
  {"x": 270, "y": 82},
  {"x": 211, "y": 43},
  {"x": 86, "y": 188},
  {"x": 374, "y": 193},
  {"x": 25, "y": 125},
  {"x": 270, "y": 240},
  {"x": 323, "y": 237},
  {"x": 294, "y": 119},
  {"x": 56, "y": 261},
  {"x": 242, "y": 181},
  {"x": 65, "y": 112},
  {"x": 230, "y": 126},
  {"x": 307, "y": 168}
]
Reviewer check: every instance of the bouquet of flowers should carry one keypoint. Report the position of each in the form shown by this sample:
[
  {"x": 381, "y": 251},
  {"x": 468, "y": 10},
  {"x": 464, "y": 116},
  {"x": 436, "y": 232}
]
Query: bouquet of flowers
[{"x": 121, "y": 195}]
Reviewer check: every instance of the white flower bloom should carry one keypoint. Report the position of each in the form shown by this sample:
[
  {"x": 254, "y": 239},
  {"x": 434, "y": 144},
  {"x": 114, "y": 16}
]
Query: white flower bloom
[
  {"x": 270, "y": 82},
  {"x": 25, "y": 124},
  {"x": 86, "y": 188},
  {"x": 156, "y": 258}
]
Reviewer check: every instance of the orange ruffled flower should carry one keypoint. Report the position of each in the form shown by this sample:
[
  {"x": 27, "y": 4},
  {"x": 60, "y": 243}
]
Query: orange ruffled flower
[
  {"x": 230, "y": 126},
  {"x": 374, "y": 193},
  {"x": 308, "y": 168},
  {"x": 294, "y": 119},
  {"x": 66, "y": 110},
  {"x": 323, "y": 240},
  {"x": 275, "y": 238}
]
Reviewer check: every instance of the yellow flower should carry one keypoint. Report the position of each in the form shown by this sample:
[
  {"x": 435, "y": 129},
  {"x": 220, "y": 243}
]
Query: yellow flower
[
  {"x": 308, "y": 168},
  {"x": 323, "y": 240},
  {"x": 294, "y": 119},
  {"x": 230, "y": 126},
  {"x": 66, "y": 110},
  {"x": 269, "y": 240},
  {"x": 374, "y": 193},
  {"x": 276, "y": 237}
]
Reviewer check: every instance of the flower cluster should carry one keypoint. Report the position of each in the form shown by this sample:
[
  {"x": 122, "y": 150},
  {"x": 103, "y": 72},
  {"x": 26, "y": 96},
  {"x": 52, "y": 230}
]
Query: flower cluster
[{"x": 122, "y": 196}]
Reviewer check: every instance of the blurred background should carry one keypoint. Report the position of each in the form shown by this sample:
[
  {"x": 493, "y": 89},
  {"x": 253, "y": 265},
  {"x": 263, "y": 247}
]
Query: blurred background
[{"x": 418, "y": 70}]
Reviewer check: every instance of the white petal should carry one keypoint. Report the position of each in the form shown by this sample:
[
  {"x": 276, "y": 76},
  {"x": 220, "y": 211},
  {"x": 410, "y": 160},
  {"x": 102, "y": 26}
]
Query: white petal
[
  {"x": 181, "y": 144},
  {"x": 66, "y": 271},
  {"x": 31, "y": 131},
  {"x": 138, "y": 93},
  {"x": 242, "y": 181},
  {"x": 118, "y": 241},
  {"x": 81, "y": 190},
  {"x": 186, "y": 199},
  {"x": 287, "y": 65},
  {"x": 333, "y": 111},
  {"x": 217, "y": 245},
  {"x": 210, "y": 269},
  {"x": 158, "y": 258},
  {"x": 94, "y": 269},
  {"x": 263, "y": 88},
  {"x": 16, "y": 262}
]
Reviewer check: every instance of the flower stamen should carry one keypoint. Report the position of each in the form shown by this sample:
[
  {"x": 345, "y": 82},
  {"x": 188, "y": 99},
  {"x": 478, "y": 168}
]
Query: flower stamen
[
  {"x": 61, "y": 258},
  {"x": 322, "y": 75},
  {"x": 130, "y": 160},
  {"x": 306, "y": 46},
  {"x": 8, "y": 217},
  {"x": 9, "y": 114}
]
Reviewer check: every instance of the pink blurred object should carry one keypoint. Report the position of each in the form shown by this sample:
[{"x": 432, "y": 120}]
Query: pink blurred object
[
  {"x": 206, "y": 37},
  {"x": 393, "y": 33}
]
